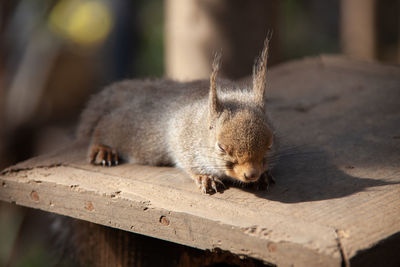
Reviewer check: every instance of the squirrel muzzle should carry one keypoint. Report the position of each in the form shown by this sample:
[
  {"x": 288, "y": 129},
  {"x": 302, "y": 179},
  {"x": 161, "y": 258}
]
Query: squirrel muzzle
[{"x": 246, "y": 172}]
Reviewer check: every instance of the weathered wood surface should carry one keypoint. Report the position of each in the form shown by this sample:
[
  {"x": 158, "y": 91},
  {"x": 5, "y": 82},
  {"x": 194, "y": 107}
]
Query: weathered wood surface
[{"x": 337, "y": 194}]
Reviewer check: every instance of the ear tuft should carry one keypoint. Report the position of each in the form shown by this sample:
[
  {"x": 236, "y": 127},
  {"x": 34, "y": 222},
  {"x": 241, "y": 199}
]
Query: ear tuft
[
  {"x": 213, "y": 103},
  {"x": 260, "y": 73}
]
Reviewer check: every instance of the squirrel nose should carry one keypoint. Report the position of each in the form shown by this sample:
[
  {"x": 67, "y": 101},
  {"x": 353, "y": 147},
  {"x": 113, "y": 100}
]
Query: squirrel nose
[{"x": 251, "y": 175}]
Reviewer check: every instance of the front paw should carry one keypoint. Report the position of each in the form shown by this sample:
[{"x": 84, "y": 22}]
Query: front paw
[
  {"x": 209, "y": 184},
  {"x": 103, "y": 155}
]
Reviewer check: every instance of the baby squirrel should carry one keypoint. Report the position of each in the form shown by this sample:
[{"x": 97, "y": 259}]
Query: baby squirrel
[{"x": 214, "y": 130}]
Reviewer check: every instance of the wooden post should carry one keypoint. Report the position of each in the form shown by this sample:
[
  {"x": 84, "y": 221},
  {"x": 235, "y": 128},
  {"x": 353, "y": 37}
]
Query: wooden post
[
  {"x": 358, "y": 28},
  {"x": 185, "y": 31},
  {"x": 195, "y": 29}
]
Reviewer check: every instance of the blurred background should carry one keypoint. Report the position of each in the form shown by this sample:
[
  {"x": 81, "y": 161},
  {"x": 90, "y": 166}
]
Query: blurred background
[{"x": 55, "y": 53}]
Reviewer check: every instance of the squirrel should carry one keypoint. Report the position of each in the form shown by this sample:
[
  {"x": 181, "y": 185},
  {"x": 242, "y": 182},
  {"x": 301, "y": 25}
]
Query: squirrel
[{"x": 213, "y": 129}]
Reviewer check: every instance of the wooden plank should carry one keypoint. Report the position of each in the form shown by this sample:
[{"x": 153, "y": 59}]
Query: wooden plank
[{"x": 338, "y": 183}]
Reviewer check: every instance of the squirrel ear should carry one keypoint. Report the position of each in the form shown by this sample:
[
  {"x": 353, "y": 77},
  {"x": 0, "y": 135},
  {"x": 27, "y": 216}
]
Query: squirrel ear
[
  {"x": 213, "y": 103},
  {"x": 260, "y": 74}
]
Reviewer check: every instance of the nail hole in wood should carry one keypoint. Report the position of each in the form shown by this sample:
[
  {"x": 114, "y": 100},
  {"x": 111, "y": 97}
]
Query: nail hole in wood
[
  {"x": 35, "y": 196},
  {"x": 89, "y": 206},
  {"x": 164, "y": 220}
]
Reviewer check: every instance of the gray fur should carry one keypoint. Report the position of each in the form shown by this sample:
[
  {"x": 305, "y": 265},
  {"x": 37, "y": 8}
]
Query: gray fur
[{"x": 198, "y": 126}]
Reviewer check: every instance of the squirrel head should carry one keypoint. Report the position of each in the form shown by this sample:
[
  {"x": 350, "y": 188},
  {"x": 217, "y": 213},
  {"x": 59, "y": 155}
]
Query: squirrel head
[
  {"x": 243, "y": 141},
  {"x": 241, "y": 132}
]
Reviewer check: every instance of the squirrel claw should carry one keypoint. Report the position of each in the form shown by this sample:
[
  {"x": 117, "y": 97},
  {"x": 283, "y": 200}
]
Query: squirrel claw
[
  {"x": 208, "y": 184},
  {"x": 103, "y": 155},
  {"x": 203, "y": 190},
  {"x": 214, "y": 186}
]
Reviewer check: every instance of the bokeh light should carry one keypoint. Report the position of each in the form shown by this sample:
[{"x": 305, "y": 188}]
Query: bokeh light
[{"x": 80, "y": 21}]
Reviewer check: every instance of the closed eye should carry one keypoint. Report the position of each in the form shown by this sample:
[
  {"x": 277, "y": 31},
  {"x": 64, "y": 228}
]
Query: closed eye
[{"x": 220, "y": 148}]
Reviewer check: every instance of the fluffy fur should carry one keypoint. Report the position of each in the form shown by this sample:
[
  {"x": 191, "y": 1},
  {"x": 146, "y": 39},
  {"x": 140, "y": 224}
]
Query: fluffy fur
[{"x": 212, "y": 129}]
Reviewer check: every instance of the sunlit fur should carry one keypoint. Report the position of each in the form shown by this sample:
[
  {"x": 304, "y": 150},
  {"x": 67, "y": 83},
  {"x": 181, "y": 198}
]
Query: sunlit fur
[
  {"x": 246, "y": 139},
  {"x": 211, "y": 127}
]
